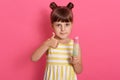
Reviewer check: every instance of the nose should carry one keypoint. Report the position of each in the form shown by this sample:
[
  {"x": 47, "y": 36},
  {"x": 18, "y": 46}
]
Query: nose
[{"x": 62, "y": 28}]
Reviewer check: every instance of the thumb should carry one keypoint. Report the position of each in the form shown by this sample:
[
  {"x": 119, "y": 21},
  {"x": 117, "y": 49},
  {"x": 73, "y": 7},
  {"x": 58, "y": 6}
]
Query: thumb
[
  {"x": 71, "y": 59},
  {"x": 53, "y": 35}
]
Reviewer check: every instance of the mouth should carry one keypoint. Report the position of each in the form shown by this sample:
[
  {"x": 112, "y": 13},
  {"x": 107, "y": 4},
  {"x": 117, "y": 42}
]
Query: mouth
[{"x": 63, "y": 33}]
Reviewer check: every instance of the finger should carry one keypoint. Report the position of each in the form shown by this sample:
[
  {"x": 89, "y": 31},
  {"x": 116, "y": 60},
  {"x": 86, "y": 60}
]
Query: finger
[
  {"x": 70, "y": 59},
  {"x": 74, "y": 57},
  {"x": 53, "y": 35},
  {"x": 56, "y": 43}
]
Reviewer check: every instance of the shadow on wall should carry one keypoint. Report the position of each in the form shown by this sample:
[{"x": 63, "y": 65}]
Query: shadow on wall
[
  {"x": 22, "y": 62},
  {"x": 44, "y": 25},
  {"x": 45, "y": 30},
  {"x": 40, "y": 68}
]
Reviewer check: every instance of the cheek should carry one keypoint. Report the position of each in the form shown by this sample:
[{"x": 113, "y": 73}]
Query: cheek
[
  {"x": 56, "y": 31},
  {"x": 69, "y": 29}
]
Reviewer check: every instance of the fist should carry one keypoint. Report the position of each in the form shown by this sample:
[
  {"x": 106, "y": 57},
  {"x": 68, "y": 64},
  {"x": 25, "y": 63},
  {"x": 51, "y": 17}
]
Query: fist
[
  {"x": 52, "y": 42},
  {"x": 74, "y": 60}
]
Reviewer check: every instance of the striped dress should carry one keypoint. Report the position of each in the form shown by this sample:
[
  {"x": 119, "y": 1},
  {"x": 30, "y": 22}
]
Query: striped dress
[{"x": 58, "y": 66}]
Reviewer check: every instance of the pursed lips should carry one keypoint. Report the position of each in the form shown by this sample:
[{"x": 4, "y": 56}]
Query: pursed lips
[{"x": 63, "y": 33}]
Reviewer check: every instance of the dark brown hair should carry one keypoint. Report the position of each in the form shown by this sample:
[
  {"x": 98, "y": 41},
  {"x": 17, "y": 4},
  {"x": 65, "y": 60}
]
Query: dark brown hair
[{"x": 61, "y": 13}]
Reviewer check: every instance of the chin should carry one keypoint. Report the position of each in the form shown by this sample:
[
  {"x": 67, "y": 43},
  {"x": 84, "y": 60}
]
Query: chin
[{"x": 63, "y": 38}]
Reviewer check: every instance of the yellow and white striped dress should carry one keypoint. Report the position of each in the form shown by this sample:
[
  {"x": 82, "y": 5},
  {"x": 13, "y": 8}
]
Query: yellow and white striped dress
[{"x": 58, "y": 65}]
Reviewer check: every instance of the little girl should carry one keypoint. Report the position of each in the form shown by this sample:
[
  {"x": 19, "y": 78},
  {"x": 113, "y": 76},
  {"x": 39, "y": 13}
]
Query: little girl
[{"x": 61, "y": 64}]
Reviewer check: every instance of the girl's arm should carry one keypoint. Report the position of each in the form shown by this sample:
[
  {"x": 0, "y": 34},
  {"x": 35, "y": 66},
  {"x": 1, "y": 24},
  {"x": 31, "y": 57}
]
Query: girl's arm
[
  {"x": 78, "y": 65},
  {"x": 77, "y": 62},
  {"x": 40, "y": 51},
  {"x": 52, "y": 42}
]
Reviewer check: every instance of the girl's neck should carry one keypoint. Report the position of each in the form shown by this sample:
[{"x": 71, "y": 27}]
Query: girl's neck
[{"x": 63, "y": 41}]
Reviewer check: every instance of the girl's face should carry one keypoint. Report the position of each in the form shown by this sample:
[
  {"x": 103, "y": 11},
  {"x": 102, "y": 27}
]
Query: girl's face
[{"x": 62, "y": 29}]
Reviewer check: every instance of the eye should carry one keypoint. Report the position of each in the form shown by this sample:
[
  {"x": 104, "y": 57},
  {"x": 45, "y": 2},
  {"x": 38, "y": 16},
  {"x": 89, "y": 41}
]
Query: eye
[
  {"x": 67, "y": 24},
  {"x": 58, "y": 25}
]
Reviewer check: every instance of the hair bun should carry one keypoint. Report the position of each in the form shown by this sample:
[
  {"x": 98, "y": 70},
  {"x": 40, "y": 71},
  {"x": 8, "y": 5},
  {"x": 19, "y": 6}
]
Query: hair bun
[
  {"x": 70, "y": 5},
  {"x": 53, "y": 5}
]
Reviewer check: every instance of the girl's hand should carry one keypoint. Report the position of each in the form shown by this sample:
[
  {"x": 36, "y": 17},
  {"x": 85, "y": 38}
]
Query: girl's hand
[
  {"x": 74, "y": 60},
  {"x": 52, "y": 42}
]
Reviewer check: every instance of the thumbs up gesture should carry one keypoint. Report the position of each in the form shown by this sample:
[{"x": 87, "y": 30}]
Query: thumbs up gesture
[{"x": 52, "y": 42}]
